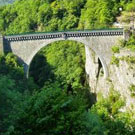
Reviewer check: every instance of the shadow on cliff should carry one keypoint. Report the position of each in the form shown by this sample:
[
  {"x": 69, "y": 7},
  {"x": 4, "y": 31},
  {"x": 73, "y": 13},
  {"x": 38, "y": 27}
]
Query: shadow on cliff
[{"x": 40, "y": 70}]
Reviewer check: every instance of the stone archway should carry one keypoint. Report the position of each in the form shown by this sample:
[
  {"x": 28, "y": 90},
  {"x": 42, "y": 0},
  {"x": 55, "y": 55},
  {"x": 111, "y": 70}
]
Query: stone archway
[
  {"x": 98, "y": 43},
  {"x": 88, "y": 53}
]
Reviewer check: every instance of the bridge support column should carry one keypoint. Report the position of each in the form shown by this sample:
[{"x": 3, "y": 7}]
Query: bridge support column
[
  {"x": 91, "y": 68},
  {"x": 1, "y": 45}
]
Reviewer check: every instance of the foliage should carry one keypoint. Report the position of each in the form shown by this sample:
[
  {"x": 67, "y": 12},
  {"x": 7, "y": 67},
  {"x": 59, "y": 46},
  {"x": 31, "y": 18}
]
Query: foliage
[
  {"x": 131, "y": 6},
  {"x": 122, "y": 43},
  {"x": 131, "y": 40},
  {"x": 128, "y": 15},
  {"x": 98, "y": 14},
  {"x": 61, "y": 61},
  {"x": 9, "y": 66},
  {"x": 115, "y": 49},
  {"x": 116, "y": 120},
  {"x": 109, "y": 110},
  {"x": 115, "y": 60},
  {"x": 52, "y": 111},
  {"x": 10, "y": 63},
  {"x": 13, "y": 90},
  {"x": 40, "y": 16},
  {"x": 130, "y": 44},
  {"x": 131, "y": 47},
  {"x": 129, "y": 59},
  {"x": 40, "y": 70},
  {"x": 8, "y": 97},
  {"x": 132, "y": 89},
  {"x": 52, "y": 15}
]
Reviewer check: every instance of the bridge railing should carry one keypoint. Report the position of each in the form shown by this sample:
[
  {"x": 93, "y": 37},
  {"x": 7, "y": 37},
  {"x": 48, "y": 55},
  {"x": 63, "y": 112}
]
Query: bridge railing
[
  {"x": 74, "y": 30},
  {"x": 65, "y": 34}
]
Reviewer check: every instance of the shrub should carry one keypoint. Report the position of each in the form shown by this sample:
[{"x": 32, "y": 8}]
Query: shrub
[
  {"x": 131, "y": 47},
  {"x": 115, "y": 61},
  {"x": 128, "y": 59},
  {"x": 115, "y": 49},
  {"x": 132, "y": 90}
]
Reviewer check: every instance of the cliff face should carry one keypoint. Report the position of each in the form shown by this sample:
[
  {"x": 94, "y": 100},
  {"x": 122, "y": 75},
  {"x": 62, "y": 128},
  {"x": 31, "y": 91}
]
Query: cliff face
[{"x": 121, "y": 75}]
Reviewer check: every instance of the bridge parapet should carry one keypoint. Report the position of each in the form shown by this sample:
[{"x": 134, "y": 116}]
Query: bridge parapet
[{"x": 65, "y": 35}]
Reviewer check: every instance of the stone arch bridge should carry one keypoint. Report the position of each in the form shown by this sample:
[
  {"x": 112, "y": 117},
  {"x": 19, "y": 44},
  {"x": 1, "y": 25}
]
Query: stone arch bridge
[{"x": 98, "y": 44}]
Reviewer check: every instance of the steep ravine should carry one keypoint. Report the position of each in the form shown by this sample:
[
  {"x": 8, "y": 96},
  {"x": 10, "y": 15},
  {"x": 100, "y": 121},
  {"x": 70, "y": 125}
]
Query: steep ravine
[{"x": 121, "y": 76}]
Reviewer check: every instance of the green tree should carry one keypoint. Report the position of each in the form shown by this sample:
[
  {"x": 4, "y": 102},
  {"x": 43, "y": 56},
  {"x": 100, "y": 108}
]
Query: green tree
[
  {"x": 115, "y": 121},
  {"x": 97, "y": 14},
  {"x": 64, "y": 62},
  {"x": 51, "y": 111},
  {"x": 9, "y": 97}
]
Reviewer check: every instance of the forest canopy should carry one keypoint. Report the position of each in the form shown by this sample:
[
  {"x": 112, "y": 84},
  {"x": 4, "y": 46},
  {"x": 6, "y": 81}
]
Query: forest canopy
[{"x": 53, "y": 15}]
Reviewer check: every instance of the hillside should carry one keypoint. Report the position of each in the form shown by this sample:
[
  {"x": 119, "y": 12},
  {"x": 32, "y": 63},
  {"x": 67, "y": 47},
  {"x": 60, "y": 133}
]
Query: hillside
[{"x": 53, "y": 15}]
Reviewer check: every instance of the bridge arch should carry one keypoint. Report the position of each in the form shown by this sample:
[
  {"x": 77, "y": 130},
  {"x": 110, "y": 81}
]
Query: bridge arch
[
  {"x": 26, "y": 46},
  {"x": 88, "y": 51}
]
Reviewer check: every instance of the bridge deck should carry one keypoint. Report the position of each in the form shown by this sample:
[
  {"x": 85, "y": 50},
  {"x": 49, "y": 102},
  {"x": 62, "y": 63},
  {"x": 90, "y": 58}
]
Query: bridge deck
[{"x": 65, "y": 34}]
